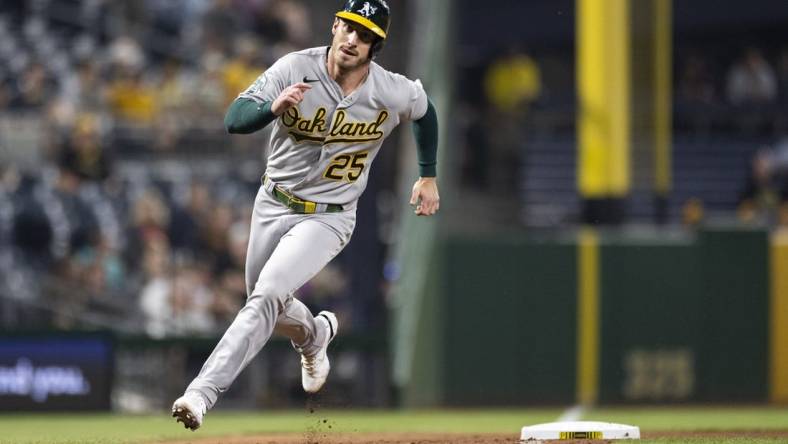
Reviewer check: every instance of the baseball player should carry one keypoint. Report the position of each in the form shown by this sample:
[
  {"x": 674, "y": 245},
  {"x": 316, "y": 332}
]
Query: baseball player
[{"x": 331, "y": 109}]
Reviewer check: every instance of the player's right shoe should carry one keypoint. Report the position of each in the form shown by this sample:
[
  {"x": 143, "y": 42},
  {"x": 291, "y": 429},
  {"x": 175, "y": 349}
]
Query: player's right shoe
[
  {"x": 315, "y": 368},
  {"x": 189, "y": 409}
]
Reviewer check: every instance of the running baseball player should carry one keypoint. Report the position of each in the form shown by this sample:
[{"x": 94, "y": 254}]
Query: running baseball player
[{"x": 331, "y": 109}]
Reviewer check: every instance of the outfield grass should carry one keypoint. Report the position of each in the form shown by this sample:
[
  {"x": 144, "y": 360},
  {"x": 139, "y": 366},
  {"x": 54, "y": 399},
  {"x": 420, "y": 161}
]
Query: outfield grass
[
  {"x": 62, "y": 429},
  {"x": 105, "y": 429}
]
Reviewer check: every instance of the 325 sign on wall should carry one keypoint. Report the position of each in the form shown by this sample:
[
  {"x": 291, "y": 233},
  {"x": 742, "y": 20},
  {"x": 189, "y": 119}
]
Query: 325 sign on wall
[{"x": 659, "y": 375}]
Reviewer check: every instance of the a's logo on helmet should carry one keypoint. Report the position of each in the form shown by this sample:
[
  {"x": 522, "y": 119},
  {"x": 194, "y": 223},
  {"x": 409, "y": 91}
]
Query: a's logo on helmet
[{"x": 367, "y": 10}]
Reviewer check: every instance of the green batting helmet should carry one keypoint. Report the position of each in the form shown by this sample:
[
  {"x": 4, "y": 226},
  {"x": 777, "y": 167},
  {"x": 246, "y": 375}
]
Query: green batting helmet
[{"x": 371, "y": 14}]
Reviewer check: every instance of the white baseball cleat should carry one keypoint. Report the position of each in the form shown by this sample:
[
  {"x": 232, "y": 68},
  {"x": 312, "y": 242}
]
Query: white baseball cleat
[
  {"x": 315, "y": 368},
  {"x": 189, "y": 409}
]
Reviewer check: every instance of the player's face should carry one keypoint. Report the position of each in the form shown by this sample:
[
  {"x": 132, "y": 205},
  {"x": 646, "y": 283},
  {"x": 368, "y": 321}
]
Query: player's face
[{"x": 351, "y": 44}]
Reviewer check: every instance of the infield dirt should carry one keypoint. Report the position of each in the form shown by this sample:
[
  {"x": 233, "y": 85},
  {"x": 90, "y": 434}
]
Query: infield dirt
[
  {"x": 359, "y": 438},
  {"x": 450, "y": 438}
]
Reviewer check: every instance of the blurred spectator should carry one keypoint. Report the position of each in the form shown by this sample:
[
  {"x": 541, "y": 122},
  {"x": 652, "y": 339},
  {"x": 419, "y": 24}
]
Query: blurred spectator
[
  {"x": 84, "y": 154},
  {"x": 172, "y": 97},
  {"x": 243, "y": 69},
  {"x": 172, "y": 87},
  {"x": 766, "y": 190},
  {"x": 215, "y": 237},
  {"x": 191, "y": 301},
  {"x": 234, "y": 256},
  {"x": 126, "y": 53},
  {"x": 130, "y": 96},
  {"x": 99, "y": 268},
  {"x": 176, "y": 299},
  {"x": 131, "y": 99},
  {"x": 79, "y": 88},
  {"x": 155, "y": 303},
  {"x": 150, "y": 218},
  {"x": 189, "y": 222},
  {"x": 69, "y": 213},
  {"x": 692, "y": 212},
  {"x": 207, "y": 94},
  {"x": 751, "y": 80},
  {"x": 512, "y": 82},
  {"x": 32, "y": 233},
  {"x": 35, "y": 87}
]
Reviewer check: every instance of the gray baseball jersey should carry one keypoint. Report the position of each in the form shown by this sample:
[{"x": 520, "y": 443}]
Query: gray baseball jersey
[{"x": 321, "y": 150}]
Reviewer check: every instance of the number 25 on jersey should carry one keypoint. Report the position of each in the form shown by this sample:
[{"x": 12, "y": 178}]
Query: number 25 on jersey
[{"x": 346, "y": 167}]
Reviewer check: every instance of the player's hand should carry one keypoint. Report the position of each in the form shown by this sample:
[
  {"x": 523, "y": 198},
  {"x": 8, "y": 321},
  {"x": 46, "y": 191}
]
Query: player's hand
[
  {"x": 290, "y": 97},
  {"x": 425, "y": 197}
]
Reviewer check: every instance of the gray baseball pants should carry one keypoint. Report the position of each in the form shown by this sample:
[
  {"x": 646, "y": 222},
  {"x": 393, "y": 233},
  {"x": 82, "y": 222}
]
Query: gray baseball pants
[{"x": 285, "y": 251}]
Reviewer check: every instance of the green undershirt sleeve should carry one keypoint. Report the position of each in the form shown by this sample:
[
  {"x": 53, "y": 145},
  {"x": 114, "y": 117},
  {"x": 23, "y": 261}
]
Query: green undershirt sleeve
[
  {"x": 426, "y": 132},
  {"x": 245, "y": 116}
]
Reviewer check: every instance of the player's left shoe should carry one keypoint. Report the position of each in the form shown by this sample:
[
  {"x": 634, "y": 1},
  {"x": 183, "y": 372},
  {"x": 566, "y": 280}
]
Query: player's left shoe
[
  {"x": 315, "y": 368},
  {"x": 189, "y": 409}
]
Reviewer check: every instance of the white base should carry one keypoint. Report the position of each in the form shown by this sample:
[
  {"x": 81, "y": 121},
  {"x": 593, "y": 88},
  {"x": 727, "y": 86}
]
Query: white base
[{"x": 579, "y": 430}]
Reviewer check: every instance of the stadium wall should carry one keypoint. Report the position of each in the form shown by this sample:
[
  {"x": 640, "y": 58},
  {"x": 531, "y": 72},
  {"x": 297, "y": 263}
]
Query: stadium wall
[{"x": 678, "y": 317}]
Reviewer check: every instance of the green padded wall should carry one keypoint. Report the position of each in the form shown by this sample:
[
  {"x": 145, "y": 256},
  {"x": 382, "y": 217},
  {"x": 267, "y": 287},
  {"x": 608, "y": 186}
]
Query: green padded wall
[
  {"x": 510, "y": 322},
  {"x": 735, "y": 270}
]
